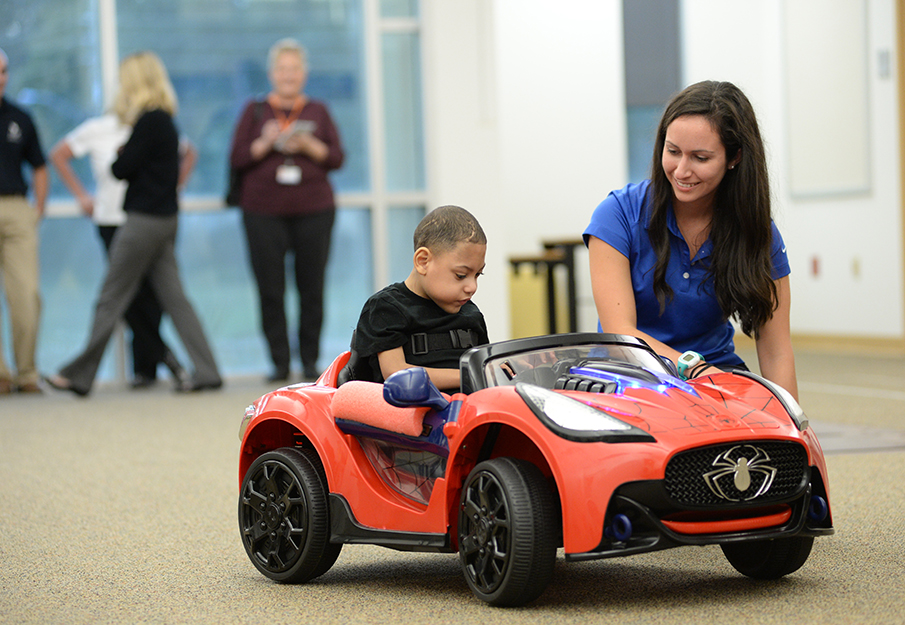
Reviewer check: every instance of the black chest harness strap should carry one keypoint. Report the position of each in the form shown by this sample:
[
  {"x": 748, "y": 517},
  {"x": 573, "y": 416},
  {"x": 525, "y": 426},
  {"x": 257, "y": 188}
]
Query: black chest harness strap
[{"x": 423, "y": 342}]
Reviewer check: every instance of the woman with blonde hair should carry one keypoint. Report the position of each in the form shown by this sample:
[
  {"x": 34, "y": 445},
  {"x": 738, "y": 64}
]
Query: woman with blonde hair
[
  {"x": 144, "y": 247},
  {"x": 99, "y": 138}
]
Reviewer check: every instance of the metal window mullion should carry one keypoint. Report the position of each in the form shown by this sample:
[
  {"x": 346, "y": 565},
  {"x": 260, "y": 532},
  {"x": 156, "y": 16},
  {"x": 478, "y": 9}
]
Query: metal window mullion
[
  {"x": 376, "y": 141},
  {"x": 109, "y": 52}
]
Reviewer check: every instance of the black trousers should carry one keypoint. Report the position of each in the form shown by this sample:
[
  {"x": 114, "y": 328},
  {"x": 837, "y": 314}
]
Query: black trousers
[
  {"x": 143, "y": 317},
  {"x": 270, "y": 239}
]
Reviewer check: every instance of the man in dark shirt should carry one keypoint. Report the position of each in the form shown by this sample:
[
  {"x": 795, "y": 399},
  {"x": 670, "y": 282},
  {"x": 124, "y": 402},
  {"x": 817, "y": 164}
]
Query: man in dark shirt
[{"x": 19, "y": 236}]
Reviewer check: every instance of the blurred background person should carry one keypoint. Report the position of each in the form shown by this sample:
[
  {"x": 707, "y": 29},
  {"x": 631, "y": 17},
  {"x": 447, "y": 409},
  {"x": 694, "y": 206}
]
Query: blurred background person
[
  {"x": 144, "y": 246},
  {"x": 19, "y": 145},
  {"x": 100, "y": 138},
  {"x": 283, "y": 149}
]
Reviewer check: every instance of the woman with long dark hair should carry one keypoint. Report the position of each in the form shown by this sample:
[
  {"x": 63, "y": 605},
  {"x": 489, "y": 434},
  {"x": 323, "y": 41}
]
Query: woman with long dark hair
[{"x": 674, "y": 258}]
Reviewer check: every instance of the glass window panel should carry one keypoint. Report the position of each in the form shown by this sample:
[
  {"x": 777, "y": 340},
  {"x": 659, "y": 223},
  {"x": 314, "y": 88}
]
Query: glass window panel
[
  {"x": 350, "y": 280},
  {"x": 54, "y": 67},
  {"x": 398, "y": 8},
  {"x": 73, "y": 264},
  {"x": 217, "y": 277},
  {"x": 216, "y": 53},
  {"x": 642, "y": 130},
  {"x": 401, "y": 224},
  {"x": 403, "y": 115}
]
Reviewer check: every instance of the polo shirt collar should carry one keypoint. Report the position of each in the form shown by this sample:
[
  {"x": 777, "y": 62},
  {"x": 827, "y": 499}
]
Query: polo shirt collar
[{"x": 673, "y": 226}]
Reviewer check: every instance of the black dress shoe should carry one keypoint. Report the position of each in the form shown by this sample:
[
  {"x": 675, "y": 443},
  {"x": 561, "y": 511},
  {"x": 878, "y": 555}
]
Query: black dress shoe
[
  {"x": 311, "y": 374},
  {"x": 194, "y": 387},
  {"x": 278, "y": 376},
  {"x": 142, "y": 381}
]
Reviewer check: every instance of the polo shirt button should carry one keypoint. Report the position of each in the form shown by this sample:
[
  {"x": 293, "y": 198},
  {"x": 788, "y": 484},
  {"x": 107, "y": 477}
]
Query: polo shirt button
[{"x": 685, "y": 275}]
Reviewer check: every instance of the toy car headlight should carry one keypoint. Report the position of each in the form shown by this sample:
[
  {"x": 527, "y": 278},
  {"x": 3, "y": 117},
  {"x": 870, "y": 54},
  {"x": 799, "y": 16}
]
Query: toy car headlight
[
  {"x": 577, "y": 421},
  {"x": 249, "y": 415},
  {"x": 796, "y": 413},
  {"x": 792, "y": 407}
]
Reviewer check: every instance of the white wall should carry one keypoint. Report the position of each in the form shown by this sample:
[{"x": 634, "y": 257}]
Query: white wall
[
  {"x": 526, "y": 128},
  {"x": 526, "y": 122},
  {"x": 856, "y": 239}
]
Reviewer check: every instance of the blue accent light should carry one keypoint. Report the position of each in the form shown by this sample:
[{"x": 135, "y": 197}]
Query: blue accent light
[{"x": 624, "y": 382}]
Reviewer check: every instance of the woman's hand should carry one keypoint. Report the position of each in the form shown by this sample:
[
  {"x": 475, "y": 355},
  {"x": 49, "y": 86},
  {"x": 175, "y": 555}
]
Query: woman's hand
[
  {"x": 308, "y": 145},
  {"x": 702, "y": 370},
  {"x": 262, "y": 146}
]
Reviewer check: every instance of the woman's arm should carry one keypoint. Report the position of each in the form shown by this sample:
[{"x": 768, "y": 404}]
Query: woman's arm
[
  {"x": 774, "y": 343},
  {"x": 393, "y": 360},
  {"x": 611, "y": 284}
]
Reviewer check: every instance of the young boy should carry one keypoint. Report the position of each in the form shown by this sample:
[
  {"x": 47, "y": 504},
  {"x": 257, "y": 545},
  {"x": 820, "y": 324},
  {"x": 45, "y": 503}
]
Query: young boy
[{"x": 429, "y": 320}]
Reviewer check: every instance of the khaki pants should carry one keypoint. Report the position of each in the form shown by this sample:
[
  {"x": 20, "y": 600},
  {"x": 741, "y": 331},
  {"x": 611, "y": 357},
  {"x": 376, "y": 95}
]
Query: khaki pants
[{"x": 19, "y": 271}]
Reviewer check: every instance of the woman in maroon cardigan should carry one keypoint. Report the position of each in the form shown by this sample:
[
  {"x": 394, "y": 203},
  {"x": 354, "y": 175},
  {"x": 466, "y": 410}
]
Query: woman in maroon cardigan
[{"x": 283, "y": 147}]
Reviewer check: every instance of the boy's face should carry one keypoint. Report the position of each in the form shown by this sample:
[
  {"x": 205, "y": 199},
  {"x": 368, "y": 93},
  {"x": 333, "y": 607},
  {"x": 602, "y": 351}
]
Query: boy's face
[{"x": 450, "y": 278}]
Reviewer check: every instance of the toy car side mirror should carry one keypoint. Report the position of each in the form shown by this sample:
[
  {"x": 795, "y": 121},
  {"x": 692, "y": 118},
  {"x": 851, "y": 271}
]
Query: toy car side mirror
[{"x": 413, "y": 387}]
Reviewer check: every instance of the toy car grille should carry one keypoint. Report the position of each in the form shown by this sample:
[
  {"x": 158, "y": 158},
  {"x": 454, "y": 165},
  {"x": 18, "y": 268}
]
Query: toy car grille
[{"x": 732, "y": 474}]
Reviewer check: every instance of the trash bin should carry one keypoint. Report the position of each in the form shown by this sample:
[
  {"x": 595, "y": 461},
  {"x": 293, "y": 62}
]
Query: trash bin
[{"x": 538, "y": 295}]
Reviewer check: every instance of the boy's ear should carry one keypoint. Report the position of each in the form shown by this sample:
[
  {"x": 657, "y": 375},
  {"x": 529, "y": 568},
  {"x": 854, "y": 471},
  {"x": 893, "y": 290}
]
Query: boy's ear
[{"x": 421, "y": 260}]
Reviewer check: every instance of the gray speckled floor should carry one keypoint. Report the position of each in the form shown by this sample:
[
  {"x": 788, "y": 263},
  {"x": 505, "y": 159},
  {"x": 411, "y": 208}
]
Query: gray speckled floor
[{"x": 121, "y": 508}]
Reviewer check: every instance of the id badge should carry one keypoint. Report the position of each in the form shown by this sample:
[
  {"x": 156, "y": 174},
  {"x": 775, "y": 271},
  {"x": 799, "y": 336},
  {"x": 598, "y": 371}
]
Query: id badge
[{"x": 289, "y": 174}]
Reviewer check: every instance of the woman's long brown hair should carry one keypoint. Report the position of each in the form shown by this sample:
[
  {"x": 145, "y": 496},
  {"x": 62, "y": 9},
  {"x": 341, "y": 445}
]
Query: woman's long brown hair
[{"x": 740, "y": 264}]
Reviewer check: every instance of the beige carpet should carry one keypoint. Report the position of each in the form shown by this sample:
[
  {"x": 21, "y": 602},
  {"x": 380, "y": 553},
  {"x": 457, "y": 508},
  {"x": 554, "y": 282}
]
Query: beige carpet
[{"x": 121, "y": 508}]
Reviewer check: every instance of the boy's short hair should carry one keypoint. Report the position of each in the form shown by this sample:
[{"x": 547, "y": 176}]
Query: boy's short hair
[{"x": 445, "y": 227}]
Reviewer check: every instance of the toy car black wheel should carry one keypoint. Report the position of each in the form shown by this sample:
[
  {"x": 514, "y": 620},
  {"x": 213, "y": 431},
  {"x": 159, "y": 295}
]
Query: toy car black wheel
[
  {"x": 284, "y": 516},
  {"x": 507, "y": 533},
  {"x": 769, "y": 559}
]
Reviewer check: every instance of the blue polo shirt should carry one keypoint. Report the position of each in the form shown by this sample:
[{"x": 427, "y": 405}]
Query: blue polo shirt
[{"x": 692, "y": 319}]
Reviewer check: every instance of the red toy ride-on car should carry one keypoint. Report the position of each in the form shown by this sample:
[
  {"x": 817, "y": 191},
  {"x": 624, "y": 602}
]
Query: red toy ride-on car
[{"x": 588, "y": 442}]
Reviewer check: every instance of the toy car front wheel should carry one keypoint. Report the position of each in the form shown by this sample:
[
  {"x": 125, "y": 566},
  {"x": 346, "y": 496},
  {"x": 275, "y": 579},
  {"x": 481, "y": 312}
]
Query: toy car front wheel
[
  {"x": 769, "y": 559},
  {"x": 284, "y": 516},
  {"x": 507, "y": 533}
]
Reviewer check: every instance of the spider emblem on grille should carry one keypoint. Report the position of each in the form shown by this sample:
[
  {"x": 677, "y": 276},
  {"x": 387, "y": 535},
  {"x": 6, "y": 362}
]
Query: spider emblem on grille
[{"x": 739, "y": 466}]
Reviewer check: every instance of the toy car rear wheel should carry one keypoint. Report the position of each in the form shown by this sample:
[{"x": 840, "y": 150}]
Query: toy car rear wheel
[
  {"x": 769, "y": 559},
  {"x": 507, "y": 532},
  {"x": 284, "y": 516}
]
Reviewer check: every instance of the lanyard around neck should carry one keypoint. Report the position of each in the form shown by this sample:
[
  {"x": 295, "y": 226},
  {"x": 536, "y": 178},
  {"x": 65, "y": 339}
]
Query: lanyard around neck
[{"x": 282, "y": 118}]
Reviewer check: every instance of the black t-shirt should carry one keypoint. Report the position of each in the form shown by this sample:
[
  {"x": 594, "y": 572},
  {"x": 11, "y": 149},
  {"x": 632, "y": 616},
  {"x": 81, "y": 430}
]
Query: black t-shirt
[
  {"x": 392, "y": 316},
  {"x": 18, "y": 145}
]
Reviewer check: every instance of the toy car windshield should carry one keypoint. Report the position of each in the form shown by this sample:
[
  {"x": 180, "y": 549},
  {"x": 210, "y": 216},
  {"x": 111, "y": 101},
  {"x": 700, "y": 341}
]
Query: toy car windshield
[{"x": 567, "y": 362}]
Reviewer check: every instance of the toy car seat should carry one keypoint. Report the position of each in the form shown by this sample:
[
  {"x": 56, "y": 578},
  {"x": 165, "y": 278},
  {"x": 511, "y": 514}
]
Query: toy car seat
[{"x": 355, "y": 368}]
